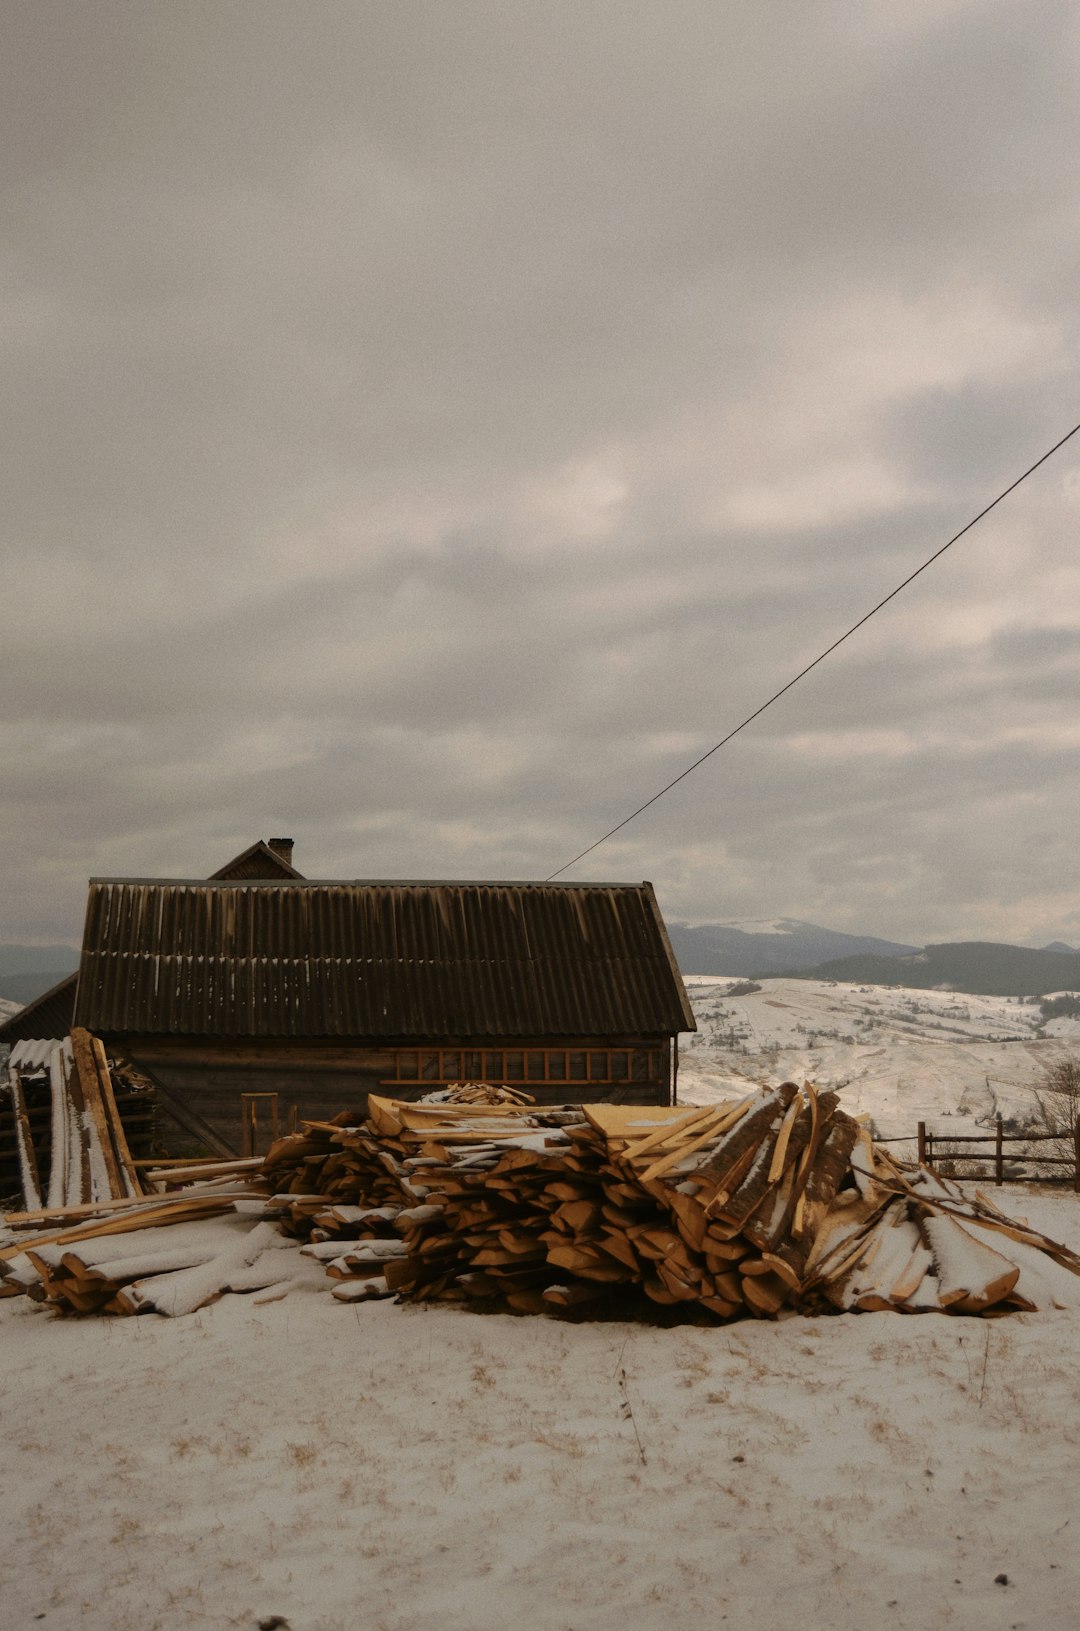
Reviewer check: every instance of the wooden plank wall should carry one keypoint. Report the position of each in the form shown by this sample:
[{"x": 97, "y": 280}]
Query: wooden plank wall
[{"x": 210, "y": 1075}]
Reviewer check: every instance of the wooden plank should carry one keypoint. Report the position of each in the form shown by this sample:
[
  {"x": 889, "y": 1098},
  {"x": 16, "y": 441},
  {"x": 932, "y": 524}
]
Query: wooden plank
[
  {"x": 84, "y": 1209},
  {"x": 85, "y": 1069},
  {"x": 714, "y": 1128},
  {"x": 158, "y": 1216},
  {"x": 117, "y": 1134},
  {"x": 77, "y": 1185},
  {"x": 155, "y": 1162},
  {"x": 180, "y": 1171},
  {"x": 776, "y": 1165},
  {"x": 623, "y": 1121},
  {"x": 60, "y": 1131},
  {"x": 124, "y": 1203}
]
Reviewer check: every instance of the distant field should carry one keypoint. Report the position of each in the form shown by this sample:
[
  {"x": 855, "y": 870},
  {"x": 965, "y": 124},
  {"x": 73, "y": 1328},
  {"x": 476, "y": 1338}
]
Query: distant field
[{"x": 899, "y": 1055}]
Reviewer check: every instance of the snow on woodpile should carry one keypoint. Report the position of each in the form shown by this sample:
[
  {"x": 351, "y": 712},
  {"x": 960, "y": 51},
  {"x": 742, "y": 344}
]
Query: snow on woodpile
[
  {"x": 778, "y": 1200},
  {"x": 167, "y": 1254}
]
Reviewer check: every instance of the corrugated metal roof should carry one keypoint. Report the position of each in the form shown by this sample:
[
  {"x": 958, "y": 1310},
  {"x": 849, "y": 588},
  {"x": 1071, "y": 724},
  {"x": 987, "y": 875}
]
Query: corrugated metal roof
[
  {"x": 32, "y": 1054},
  {"x": 378, "y": 960},
  {"x": 47, "y": 1016}
]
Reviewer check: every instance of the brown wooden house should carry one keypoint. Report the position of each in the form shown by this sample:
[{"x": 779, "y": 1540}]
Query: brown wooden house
[{"x": 259, "y": 980}]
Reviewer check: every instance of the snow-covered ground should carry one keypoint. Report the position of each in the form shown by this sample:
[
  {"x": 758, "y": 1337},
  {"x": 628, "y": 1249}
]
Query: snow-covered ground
[
  {"x": 901, "y": 1056},
  {"x": 385, "y": 1468}
]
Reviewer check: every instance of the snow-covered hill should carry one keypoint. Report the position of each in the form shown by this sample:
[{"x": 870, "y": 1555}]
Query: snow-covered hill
[
  {"x": 770, "y": 945},
  {"x": 900, "y": 1056}
]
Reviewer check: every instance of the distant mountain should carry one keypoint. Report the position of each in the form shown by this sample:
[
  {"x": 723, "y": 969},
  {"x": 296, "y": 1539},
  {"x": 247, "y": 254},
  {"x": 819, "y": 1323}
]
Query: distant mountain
[
  {"x": 1059, "y": 945},
  {"x": 982, "y": 967},
  {"x": 23, "y": 988},
  {"x": 38, "y": 959},
  {"x": 772, "y": 946},
  {"x": 27, "y": 971}
]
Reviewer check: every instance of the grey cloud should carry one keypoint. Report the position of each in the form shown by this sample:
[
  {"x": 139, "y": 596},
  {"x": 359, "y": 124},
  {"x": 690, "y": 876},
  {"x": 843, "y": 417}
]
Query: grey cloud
[{"x": 380, "y": 383}]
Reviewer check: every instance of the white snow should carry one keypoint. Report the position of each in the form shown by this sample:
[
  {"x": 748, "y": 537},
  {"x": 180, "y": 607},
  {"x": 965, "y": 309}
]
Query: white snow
[
  {"x": 898, "y": 1055},
  {"x": 364, "y": 1466},
  {"x": 32, "y": 1055},
  {"x": 387, "y": 1467},
  {"x": 755, "y": 925}
]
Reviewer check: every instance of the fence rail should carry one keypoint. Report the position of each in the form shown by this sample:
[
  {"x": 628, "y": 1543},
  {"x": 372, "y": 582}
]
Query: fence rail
[{"x": 940, "y": 1147}]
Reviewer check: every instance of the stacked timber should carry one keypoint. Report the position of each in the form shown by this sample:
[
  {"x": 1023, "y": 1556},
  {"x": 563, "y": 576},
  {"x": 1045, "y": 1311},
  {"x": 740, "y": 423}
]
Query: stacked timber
[
  {"x": 711, "y": 1207},
  {"x": 170, "y": 1254},
  {"x": 478, "y": 1093},
  {"x": 912, "y": 1241},
  {"x": 357, "y": 1166},
  {"x": 331, "y": 1164},
  {"x": 484, "y": 1184},
  {"x": 777, "y": 1201}
]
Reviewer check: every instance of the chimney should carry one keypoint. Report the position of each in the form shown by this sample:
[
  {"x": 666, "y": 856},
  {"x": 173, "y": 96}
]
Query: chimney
[{"x": 282, "y": 848}]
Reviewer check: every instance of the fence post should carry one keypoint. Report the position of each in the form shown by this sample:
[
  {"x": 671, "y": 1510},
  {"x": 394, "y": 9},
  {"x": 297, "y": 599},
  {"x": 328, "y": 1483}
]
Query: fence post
[
  {"x": 922, "y": 1142},
  {"x": 1076, "y": 1156},
  {"x": 249, "y": 1120},
  {"x": 999, "y": 1153}
]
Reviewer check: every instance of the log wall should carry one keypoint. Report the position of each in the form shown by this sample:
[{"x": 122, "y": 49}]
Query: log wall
[{"x": 315, "y": 1081}]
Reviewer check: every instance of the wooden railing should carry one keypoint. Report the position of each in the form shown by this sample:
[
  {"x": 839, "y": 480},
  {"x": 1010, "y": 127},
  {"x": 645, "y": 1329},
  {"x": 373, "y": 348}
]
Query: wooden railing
[{"x": 937, "y": 1148}]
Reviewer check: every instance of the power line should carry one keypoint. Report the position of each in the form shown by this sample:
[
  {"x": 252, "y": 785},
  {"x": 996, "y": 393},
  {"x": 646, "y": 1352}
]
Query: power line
[{"x": 936, "y": 556}]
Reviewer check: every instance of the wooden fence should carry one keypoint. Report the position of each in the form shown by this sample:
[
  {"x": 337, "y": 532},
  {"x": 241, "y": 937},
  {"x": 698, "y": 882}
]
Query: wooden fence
[{"x": 937, "y": 1148}]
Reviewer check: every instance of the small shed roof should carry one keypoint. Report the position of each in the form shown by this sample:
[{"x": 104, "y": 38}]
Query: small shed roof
[
  {"x": 46, "y": 1016},
  {"x": 380, "y": 960}
]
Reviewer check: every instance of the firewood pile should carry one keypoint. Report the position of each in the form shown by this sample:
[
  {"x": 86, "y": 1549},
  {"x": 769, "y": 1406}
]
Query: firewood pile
[
  {"x": 336, "y": 1160},
  {"x": 100, "y": 1231},
  {"x": 170, "y": 1253},
  {"x": 478, "y": 1093},
  {"x": 332, "y": 1165},
  {"x": 915, "y": 1242},
  {"x": 779, "y": 1200}
]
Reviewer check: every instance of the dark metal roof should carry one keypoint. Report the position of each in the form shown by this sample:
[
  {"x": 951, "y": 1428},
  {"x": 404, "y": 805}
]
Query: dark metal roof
[
  {"x": 47, "y": 1016},
  {"x": 377, "y": 960}
]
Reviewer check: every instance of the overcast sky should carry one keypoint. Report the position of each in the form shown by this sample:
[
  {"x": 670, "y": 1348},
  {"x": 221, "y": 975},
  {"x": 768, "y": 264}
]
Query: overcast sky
[{"x": 428, "y": 426}]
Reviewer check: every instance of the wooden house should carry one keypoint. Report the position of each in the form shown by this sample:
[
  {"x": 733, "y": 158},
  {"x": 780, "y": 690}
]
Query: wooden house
[{"x": 261, "y": 981}]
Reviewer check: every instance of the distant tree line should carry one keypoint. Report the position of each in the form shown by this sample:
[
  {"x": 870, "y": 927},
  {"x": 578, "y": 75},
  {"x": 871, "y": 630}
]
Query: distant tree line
[{"x": 1066, "y": 1006}]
